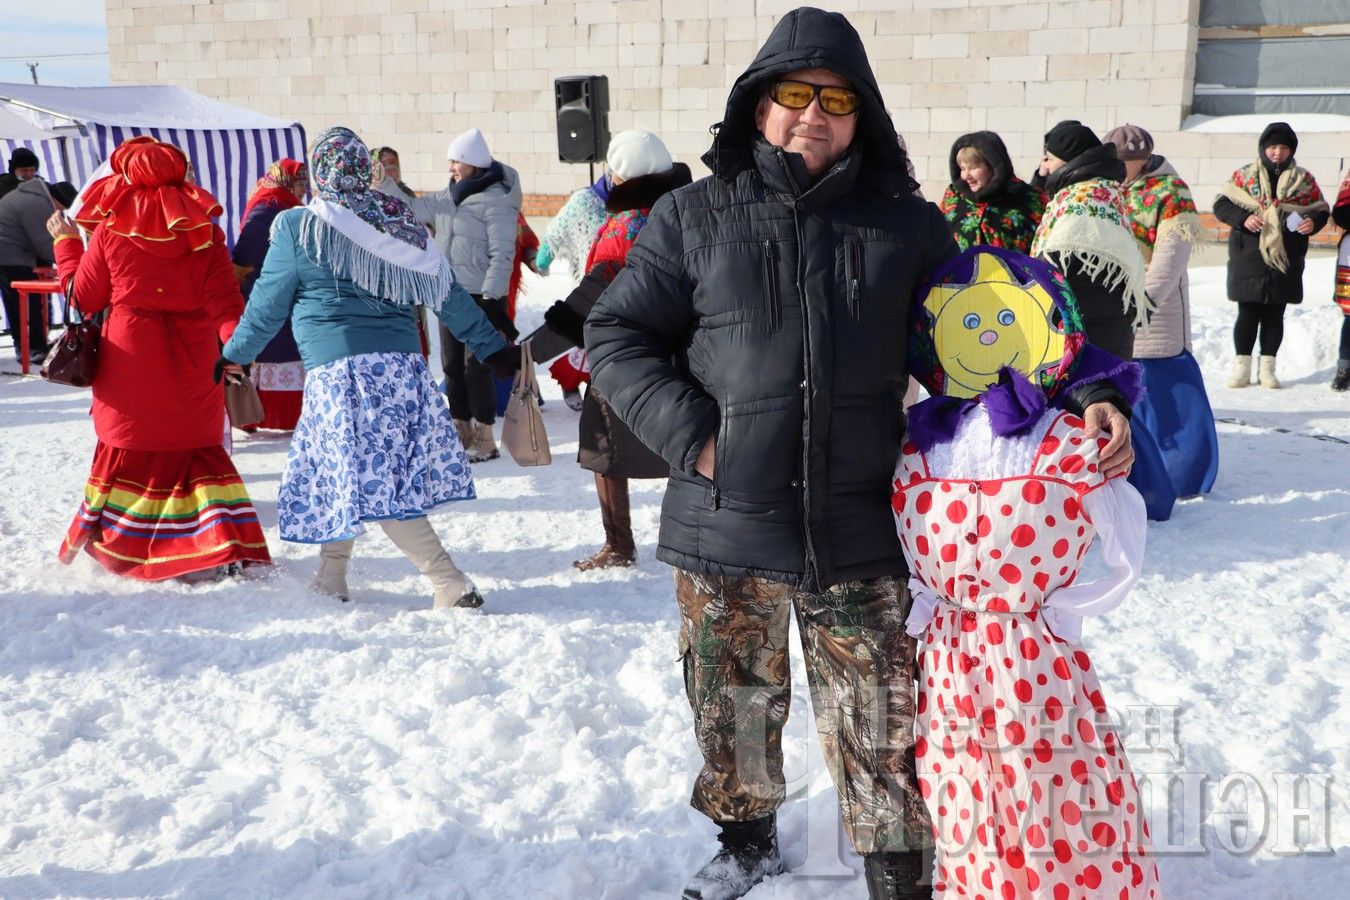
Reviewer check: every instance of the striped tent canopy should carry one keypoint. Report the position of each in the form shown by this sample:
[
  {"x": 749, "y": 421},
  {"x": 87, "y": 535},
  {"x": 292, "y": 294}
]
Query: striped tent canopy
[{"x": 74, "y": 129}]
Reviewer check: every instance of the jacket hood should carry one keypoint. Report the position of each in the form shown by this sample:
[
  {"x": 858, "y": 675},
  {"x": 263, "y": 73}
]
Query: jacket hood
[
  {"x": 990, "y": 146},
  {"x": 1099, "y": 162},
  {"x": 808, "y": 38},
  {"x": 1156, "y": 167},
  {"x": 32, "y": 186},
  {"x": 644, "y": 191},
  {"x": 1278, "y": 133}
]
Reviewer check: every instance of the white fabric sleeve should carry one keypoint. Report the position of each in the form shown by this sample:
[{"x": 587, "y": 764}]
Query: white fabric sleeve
[
  {"x": 923, "y": 602},
  {"x": 1117, "y": 510}
]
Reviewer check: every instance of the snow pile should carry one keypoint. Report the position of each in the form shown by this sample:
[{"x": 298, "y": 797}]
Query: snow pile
[{"x": 250, "y": 738}]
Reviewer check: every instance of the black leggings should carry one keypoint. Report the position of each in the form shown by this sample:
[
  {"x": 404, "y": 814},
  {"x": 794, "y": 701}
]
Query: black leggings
[
  {"x": 469, "y": 389},
  {"x": 1345, "y": 339},
  {"x": 1268, "y": 318}
]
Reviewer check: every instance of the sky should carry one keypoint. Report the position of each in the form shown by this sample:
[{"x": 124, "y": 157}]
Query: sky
[{"x": 68, "y": 39}]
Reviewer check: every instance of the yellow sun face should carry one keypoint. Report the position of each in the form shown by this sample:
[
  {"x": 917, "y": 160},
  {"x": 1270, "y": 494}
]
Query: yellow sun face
[{"x": 993, "y": 321}]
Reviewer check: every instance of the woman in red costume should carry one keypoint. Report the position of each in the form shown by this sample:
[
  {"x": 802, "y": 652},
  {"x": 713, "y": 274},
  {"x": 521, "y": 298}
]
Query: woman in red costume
[{"x": 163, "y": 499}]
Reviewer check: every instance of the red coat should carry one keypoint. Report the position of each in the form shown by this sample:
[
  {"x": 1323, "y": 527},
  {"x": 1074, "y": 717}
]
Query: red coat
[{"x": 168, "y": 312}]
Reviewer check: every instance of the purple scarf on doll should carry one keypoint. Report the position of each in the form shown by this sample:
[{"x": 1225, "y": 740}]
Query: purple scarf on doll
[{"x": 1014, "y": 404}]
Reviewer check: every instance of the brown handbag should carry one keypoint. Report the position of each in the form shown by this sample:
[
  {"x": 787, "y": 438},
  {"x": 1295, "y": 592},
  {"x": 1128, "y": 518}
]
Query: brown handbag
[
  {"x": 243, "y": 403},
  {"x": 73, "y": 359},
  {"x": 523, "y": 433}
]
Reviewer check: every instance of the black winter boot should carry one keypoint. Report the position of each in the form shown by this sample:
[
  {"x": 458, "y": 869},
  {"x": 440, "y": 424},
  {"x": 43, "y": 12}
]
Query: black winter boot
[
  {"x": 896, "y": 876},
  {"x": 1341, "y": 381},
  {"x": 749, "y": 854}
]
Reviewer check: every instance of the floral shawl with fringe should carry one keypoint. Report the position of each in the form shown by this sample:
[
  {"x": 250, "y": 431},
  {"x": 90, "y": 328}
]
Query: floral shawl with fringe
[
  {"x": 1296, "y": 192},
  {"x": 1160, "y": 208},
  {"x": 371, "y": 238},
  {"x": 1086, "y": 223}
]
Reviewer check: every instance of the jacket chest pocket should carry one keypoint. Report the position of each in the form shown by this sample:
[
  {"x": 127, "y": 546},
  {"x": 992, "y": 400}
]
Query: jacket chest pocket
[
  {"x": 851, "y": 279},
  {"x": 773, "y": 300},
  {"x": 873, "y": 277}
]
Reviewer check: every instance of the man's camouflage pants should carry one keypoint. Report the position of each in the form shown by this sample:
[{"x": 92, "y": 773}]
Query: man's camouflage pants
[{"x": 860, "y": 665}]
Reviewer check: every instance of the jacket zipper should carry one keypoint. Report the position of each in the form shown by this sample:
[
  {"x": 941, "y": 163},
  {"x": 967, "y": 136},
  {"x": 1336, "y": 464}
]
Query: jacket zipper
[
  {"x": 852, "y": 277},
  {"x": 717, "y": 461},
  {"x": 771, "y": 299},
  {"x": 809, "y": 577}
]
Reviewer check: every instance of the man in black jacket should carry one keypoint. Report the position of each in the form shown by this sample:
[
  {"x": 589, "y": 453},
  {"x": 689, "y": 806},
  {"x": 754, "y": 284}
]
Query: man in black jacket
[{"x": 756, "y": 340}]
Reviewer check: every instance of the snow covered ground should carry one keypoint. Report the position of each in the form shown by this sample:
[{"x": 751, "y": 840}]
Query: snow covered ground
[{"x": 252, "y": 739}]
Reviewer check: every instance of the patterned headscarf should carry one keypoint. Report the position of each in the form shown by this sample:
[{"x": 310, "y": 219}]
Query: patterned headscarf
[
  {"x": 366, "y": 236},
  {"x": 341, "y": 165},
  {"x": 277, "y": 186}
]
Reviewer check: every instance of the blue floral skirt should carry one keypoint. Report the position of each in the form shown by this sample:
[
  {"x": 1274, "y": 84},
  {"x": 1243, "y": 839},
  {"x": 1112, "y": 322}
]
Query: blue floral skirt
[{"x": 374, "y": 441}]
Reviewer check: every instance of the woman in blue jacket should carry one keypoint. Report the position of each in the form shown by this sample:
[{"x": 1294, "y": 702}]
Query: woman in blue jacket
[{"x": 375, "y": 442}]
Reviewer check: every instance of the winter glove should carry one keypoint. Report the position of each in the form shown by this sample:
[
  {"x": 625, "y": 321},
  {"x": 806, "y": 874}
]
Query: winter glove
[
  {"x": 495, "y": 310},
  {"x": 218, "y": 371},
  {"x": 567, "y": 322},
  {"x": 505, "y": 363},
  {"x": 529, "y": 257}
]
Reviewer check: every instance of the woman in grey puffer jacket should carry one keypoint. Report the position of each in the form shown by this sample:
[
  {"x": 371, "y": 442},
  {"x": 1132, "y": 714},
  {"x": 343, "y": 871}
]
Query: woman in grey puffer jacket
[{"x": 475, "y": 220}]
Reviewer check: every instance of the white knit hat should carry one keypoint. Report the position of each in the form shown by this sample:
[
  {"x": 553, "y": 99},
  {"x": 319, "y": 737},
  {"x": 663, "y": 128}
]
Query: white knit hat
[
  {"x": 635, "y": 153},
  {"x": 470, "y": 147}
]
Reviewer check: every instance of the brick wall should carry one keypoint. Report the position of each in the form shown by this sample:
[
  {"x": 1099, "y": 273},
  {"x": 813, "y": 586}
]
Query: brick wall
[{"x": 413, "y": 73}]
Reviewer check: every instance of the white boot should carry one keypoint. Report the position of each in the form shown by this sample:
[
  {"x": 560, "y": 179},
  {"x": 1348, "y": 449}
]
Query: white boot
[
  {"x": 332, "y": 576},
  {"x": 419, "y": 542},
  {"x": 1266, "y": 373},
  {"x": 1240, "y": 375}
]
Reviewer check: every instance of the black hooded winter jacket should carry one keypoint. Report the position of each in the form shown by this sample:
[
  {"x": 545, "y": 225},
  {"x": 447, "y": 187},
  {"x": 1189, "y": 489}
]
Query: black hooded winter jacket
[{"x": 772, "y": 312}]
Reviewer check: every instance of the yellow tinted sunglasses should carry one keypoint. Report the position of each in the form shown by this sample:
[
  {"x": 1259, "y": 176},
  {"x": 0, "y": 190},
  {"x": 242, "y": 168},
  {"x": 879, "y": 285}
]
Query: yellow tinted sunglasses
[{"x": 837, "y": 101}]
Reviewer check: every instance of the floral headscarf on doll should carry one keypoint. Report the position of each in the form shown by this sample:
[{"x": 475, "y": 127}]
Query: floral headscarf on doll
[
  {"x": 366, "y": 236},
  {"x": 1001, "y": 329}
]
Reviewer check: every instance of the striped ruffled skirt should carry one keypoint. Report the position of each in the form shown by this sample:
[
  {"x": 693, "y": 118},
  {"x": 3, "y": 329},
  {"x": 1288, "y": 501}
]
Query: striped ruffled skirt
[{"x": 156, "y": 514}]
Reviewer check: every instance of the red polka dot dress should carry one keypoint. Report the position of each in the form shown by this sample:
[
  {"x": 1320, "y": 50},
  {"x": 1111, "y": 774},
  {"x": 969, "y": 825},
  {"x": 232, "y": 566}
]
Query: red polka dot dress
[{"x": 1026, "y": 781}]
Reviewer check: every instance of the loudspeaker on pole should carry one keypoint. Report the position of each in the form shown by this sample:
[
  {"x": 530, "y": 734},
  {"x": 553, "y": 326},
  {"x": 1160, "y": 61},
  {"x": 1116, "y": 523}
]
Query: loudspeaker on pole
[{"x": 582, "y": 106}]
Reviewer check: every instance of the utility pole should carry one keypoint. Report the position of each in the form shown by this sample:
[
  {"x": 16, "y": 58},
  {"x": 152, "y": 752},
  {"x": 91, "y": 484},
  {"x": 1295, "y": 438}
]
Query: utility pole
[{"x": 32, "y": 67}]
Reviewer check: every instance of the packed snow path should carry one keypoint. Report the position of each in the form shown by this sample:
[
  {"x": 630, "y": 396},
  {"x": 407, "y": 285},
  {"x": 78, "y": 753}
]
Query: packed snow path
[{"x": 252, "y": 739}]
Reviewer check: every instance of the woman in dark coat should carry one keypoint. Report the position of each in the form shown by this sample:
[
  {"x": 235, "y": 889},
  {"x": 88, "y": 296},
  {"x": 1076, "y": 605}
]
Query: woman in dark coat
[
  {"x": 1265, "y": 255},
  {"x": 1084, "y": 232},
  {"x": 642, "y": 171},
  {"x": 277, "y": 372}
]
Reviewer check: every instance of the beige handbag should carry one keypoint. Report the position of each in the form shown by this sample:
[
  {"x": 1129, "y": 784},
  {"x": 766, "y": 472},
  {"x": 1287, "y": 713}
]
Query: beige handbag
[{"x": 523, "y": 424}]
